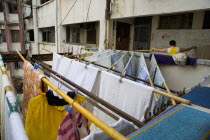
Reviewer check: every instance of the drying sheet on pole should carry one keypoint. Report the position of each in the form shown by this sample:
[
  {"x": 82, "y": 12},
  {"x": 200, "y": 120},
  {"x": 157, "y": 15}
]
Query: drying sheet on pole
[
  {"x": 157, "y": 79},
  {"x": 129, "y": 96},
  {"x": 142, "y": 70}
]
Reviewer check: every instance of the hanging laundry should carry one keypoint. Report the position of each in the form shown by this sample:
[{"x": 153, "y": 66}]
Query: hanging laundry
[
  {"x": 157, "y": 79},
  {"x": 61, "y": 65},
  {"x": 136, "y": 96},
  {"x": 33, "y": 86},
  {"x": 73, "y": 127},
  {"x": 56, "y": 101},
  {"x": 100, "y": 55},
  {"x": 142, "y": 71},
  {"x": 115, "y": 57},
  {"x": 77, "y": 49},
  {"x": 119, "y": 66},
  {"x": 131, "y": 67},
  {"x": 168, "y": 60},
  {"x": 126, "y": 58},
  {"x": 81, "y": 74},
  {"x": 123, "y": 126},
  {"x": 67, "y": 48},
  {"x": 43, "y": 120},
  {"x": 104, "y": 62}
]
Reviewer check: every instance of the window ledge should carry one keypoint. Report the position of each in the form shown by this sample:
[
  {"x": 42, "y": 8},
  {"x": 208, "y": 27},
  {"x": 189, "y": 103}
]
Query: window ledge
[
  {"x": 46, "y": 43},
  {"x": 45, "y": 4}
]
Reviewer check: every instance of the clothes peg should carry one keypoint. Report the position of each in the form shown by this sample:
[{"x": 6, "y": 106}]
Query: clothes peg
[
  {"x": 36, "y": 66},
  {"x": 122, "y": 75},
  {"x": 13, "y": 107}
]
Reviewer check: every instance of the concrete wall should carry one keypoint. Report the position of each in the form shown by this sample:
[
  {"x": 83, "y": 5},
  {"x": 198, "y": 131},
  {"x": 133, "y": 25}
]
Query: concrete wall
[
  {"x": 13, "y": 18},
  {"x": 29, "y": 24},
  {"x": 130, "y": 8},
  {"x": 46, "y": 48},
  {"x": 79, "y": 12},
  {"x": 180, "y": 77},
  {"x": 3, "y": 47},
  {"x": 1, "y": 17},
  {"x": 46, "y": 15},
  {"x": 184, "y": 38}
]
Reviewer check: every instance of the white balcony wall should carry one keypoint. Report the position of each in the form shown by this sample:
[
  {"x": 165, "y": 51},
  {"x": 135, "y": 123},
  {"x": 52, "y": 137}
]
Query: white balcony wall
[
  {"x": 131, "y": 8},
  {"x": 13, "y": 18},
  {"x": 46, "y": 14},
  {"x": 79, "y": 12}
]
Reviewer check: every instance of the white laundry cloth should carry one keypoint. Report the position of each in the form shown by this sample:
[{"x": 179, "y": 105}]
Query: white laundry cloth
[
  {"x": 129, "y": 96},
  {"x": 82, "y": 74},
  {"x": 104, "y": 61},
  {"x": 123, "y": 126},
  {"x": 67, "y": 48},
  {"x": 77, "y": 49},
  {"x": 100, "y": 55},
  {"x": 119, "y": 66},
  {"x": 61, "y": 65},
  {"x": 142, "y": 71}
]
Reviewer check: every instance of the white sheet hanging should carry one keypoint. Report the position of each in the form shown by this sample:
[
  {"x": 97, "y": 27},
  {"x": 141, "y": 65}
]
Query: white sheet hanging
[
  {"x": 61, "y": 65},
  {"x": 129, "y": 96},
  {"x": 82, "y": 74},
  {"x": 123, "y": 126},
  {"x": 106, "y": 61}
]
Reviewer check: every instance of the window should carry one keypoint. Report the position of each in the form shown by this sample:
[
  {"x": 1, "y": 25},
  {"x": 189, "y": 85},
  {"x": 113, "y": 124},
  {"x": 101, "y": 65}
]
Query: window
[
  {"x": 206, "y": 21},
  {"x": 15, "y": 36},
  {"x": 31, "y": 35},
  {"x": 73, "y": 34},
  {"x": 48, "y": 36},
  {"x": 91, "y": 36},
  {"x": 1, "y": 10},
  {"x": 2, "y": 36},
  {"x": 178, "y": 21},
  {"x": 44, "y": 1},
  {"x": 13, "y": 7},
  {"x": 18, "y": 65}
]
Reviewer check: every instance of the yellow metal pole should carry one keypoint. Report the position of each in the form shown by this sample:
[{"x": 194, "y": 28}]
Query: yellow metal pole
[
  {"x": 103, "y": 126},
  {"x": 176, "y": 98}
]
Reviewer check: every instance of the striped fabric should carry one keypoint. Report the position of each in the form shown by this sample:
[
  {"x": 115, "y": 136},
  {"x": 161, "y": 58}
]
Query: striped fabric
[{"x": 73, "y": 127}]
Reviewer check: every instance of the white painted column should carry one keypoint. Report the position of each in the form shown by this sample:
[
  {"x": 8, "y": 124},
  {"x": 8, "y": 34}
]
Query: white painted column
[
  {"x": 102, "y": 39},
  {"x": 35, "y": 49}
]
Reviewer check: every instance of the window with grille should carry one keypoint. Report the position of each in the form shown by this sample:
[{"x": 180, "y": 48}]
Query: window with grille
[
  {"x": 13, "y": 7},
  {"x": 48, "y": 35},
  {"x": 15, "y": 36},
  {"x": 18, "y": 65},
  {"x": 31, "y": 35},
  {"x": 73, "y": 34},
  {"x": 206, "y": 21},
  {"x": 2, "y": 36},
  {"x": 178, "y": 21}
]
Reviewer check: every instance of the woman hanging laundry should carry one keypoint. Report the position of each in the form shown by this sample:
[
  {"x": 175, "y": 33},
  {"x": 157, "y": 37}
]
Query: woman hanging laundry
[{"x": 173, "y": 49}]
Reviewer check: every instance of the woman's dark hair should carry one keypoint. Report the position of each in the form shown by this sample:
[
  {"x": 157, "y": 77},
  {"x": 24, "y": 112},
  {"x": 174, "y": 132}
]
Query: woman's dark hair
[{"x": 172, "y": 43}]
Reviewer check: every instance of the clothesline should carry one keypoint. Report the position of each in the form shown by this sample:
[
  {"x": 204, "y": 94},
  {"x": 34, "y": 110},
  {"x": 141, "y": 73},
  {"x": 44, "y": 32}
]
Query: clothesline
[
  {"x": 88, "y": 99},
  {"x": 85, "y": 91},
  {"x": 103, "y": 126},
  {"x": 128, "y": 75},
  {"x": 106, "y": 104}
]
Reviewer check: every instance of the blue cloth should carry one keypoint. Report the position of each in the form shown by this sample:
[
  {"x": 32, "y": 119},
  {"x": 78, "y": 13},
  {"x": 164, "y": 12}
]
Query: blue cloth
[
  {"x": 142, "y": 71},
  {"x": 180, "y": 122},
  {"x": 168, "y": 60},
  {"x": 115, "y": 57},
  {"x": 199, "y": 96},
  {"x": 131, "y": 68},
  {"x": 126, "y": 58}
]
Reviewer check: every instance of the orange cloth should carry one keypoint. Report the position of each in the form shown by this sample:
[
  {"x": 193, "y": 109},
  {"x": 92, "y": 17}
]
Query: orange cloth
[{"x": 32, "y": 86}]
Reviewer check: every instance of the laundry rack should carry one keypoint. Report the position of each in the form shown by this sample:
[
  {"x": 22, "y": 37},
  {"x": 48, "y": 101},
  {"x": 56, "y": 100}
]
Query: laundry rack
[{"x": 110, "y": 131}]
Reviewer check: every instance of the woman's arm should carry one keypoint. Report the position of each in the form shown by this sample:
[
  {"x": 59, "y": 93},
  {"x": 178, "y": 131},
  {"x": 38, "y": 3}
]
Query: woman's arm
[
  {"x": 160, "y": 50},
  {"x": 187, "y": 49}
]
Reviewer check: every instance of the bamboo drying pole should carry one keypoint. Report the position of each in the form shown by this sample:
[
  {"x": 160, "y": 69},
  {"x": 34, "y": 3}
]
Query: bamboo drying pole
[
  {"x": 169, "y": 92},
  {"x": 103, "y": 126}
]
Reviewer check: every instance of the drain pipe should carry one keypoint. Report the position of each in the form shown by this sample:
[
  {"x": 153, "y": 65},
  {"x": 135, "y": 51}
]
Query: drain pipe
[{"x": 107, "y": 17}]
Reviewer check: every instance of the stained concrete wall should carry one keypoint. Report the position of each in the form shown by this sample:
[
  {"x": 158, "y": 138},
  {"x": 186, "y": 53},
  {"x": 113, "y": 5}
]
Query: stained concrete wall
[
  {"x": 132, "y": 8},
  {"x": 46, "y": 14}
]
